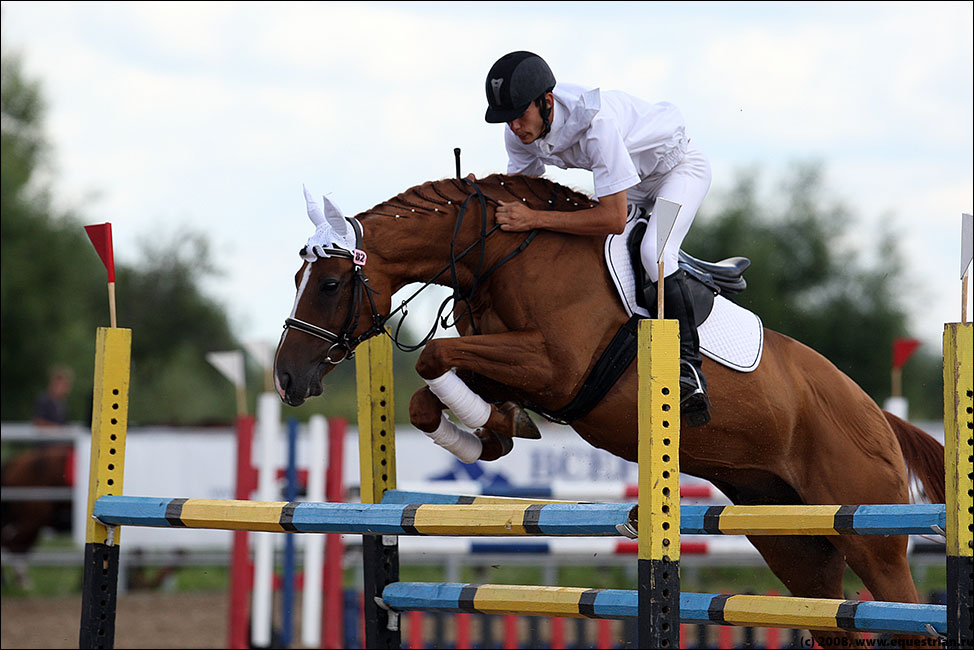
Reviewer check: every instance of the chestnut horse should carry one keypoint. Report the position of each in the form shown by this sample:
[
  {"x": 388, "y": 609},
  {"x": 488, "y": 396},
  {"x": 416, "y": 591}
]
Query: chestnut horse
[
  {"x": 534, "y": 320},
  {"x": 46, "y": 465}
]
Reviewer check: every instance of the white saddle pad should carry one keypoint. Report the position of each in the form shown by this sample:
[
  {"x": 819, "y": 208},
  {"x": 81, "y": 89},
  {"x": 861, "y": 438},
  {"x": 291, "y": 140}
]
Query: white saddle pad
[{"x": 731, "y": 335}]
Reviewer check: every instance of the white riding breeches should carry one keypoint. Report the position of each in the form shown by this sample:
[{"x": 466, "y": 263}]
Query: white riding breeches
[{"x": 686, "y": 184}]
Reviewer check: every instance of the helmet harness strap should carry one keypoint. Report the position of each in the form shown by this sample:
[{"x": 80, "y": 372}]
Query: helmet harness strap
[{"x": 545, "y": 112}]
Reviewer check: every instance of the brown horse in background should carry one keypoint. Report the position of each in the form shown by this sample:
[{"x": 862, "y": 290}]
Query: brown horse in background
[
  {"x": 47, "y": 465},
  {"x": 50, "y": 465},
  {"x": 794, "y": 431}
]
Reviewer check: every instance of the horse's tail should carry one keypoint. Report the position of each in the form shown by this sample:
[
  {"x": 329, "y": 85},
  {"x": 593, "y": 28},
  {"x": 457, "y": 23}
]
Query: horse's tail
[{"x": 924, "y": 457}]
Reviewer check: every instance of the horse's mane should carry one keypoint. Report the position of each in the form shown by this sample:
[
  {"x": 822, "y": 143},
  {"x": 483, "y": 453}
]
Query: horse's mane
[{"x": 433, "y": 197}]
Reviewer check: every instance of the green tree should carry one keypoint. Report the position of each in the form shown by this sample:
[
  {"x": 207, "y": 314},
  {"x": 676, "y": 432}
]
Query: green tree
[
  {"x": 803, "y": 280},
  {"x": 47, "y": 278},
  {"x": 923, "y": 384},
  {"x": 173, "y": 326},
  {"x": 54, "y": 292}
]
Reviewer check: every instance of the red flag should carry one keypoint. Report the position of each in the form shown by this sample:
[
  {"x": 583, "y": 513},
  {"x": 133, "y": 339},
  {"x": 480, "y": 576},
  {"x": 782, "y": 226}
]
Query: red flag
[
  {"x": 101, "y": 236},
  {"x": 903, "y": 349}
]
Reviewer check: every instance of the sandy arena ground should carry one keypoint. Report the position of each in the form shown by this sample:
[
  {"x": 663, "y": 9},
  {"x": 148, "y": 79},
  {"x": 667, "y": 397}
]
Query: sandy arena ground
[{"x": 144, "y": 620}]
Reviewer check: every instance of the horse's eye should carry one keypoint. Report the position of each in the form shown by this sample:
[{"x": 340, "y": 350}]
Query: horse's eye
[{"x": 329, "y": 286}]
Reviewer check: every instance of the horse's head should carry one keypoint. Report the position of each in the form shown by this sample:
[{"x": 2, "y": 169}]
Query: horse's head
[
  {"x": 418, "y": 236},
  {"x": 333, "y": 295}
]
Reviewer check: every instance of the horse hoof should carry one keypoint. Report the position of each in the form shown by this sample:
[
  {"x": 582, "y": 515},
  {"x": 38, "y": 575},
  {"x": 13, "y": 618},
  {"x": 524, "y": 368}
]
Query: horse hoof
[
  {"x": 521, "y": 424},
  {"x": 495, "y": 444}
]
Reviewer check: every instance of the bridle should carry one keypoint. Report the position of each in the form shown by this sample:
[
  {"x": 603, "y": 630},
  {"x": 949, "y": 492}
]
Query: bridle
[{"x": 342, "y": 345}]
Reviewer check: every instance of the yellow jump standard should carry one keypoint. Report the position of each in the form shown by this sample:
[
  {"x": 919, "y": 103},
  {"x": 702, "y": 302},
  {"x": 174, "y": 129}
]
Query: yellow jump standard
[
  {"x": 958, "y": 455},
  {"x": 377, "y": 473},
  {"x": 658, "y": 563},
  {"x": 109, "y": 423}
]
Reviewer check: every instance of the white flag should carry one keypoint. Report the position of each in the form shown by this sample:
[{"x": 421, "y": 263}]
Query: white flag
[
  {"x": 262, "y": 353},
  {"x": 666, "y": 212},
  {"x": 230, "y": 364},
  {"x": 966, "y": 243}
]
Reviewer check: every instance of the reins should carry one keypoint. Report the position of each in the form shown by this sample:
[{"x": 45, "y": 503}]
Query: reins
[{"x": 451, "y": 266}]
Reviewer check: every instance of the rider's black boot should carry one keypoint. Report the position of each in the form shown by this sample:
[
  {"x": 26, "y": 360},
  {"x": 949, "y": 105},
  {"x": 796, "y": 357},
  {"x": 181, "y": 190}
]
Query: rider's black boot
[{"x": 678, "y": 304}]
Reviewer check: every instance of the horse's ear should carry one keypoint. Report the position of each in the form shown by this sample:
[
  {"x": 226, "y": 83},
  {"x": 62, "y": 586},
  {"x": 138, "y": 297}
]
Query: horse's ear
[
  {"x": 336, "y": 219},
  {"x": 331, "y": 228},
  {"x": 314, "y": 210}
]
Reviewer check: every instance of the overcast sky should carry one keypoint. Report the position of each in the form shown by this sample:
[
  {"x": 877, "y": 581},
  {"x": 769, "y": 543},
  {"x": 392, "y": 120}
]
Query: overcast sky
[{"x": 210, "y": 116}]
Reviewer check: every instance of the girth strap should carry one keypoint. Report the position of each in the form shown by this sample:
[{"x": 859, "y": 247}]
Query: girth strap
[{"x": 608, "y": 369}]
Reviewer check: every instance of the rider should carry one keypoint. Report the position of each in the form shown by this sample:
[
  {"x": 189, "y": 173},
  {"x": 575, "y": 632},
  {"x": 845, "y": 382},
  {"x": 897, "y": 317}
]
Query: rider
[{"x": 636, "y": 151}]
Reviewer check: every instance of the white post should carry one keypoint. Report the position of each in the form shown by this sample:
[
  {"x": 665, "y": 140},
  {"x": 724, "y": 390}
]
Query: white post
[
  {"x": 898, "y": 406},
  {"x": 231, "y": 365},
  {"x": 314, "y": 548},
  {"x": 269, "y": 433}
]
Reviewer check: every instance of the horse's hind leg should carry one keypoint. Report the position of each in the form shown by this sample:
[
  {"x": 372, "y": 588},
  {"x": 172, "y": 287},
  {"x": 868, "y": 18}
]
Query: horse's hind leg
[
  {"x": 881, "y": 563},
  {"x": 810, "y": 567}
]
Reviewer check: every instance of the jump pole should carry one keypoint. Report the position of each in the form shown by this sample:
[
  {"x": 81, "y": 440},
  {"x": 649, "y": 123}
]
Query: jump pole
[
  {"x": 377, "y": 466},
  {"x": 314, "y": 545},
  {"x": 241, "y": 568},
  {"x": 659, "y": 488},
  {"x": 230, "y": 364},
  {"x": 659, "y": 463},
  {"x": 331, "y": 611},
  {"x": 268, "y": 440},
  {"x": 109, "y": 423},
  {"x": 288, "y": 581},
  {"x": 958, "y": 454}
]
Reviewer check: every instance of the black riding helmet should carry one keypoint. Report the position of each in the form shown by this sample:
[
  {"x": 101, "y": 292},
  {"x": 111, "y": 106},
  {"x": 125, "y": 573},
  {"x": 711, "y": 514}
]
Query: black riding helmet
[{"x": 516, "y": 80}]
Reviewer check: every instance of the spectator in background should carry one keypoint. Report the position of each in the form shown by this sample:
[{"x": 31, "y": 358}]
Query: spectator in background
[
  {"x": 47, "y": 463},
  {"x": 51, "y": 407}
]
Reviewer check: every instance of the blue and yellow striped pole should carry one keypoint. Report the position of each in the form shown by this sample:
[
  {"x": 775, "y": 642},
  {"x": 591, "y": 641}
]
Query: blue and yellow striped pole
[
  {"x": 377, "y": 459},
  {"x": 958, "y": 455},
  {"x": 476, "y": 516},
  {"x": 492, "y": 519},
  {"x": 707, "y": 609},
  {"x": 659, "y": 484},
  {"x": 109, "y": 423}
]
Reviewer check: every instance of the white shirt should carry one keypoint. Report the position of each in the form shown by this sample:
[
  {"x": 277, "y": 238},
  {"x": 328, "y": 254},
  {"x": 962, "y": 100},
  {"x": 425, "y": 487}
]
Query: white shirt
[{"x": 623, "y": 140}]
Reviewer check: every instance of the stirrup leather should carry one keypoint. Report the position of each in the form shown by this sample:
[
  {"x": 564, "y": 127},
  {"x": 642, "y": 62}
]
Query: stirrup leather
[
  {"x": 695, "y": 405},
  {"x": 695, "y": 377}
]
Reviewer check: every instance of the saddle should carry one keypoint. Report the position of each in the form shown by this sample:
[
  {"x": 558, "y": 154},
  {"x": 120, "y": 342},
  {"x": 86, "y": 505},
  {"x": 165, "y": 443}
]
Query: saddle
[{"x": 707, "y": 279}]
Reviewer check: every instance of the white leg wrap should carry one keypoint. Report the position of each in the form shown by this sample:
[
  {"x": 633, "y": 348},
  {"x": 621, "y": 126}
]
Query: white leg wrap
[
  {"x": 462, "y": 444},
  {"x": 469, "y": 407}
]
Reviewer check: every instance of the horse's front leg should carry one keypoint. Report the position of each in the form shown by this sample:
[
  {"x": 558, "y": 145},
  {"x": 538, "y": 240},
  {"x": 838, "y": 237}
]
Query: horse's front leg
[
  {"x": 426, "y": 414},
  {"x": 515, "y": 359}
]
